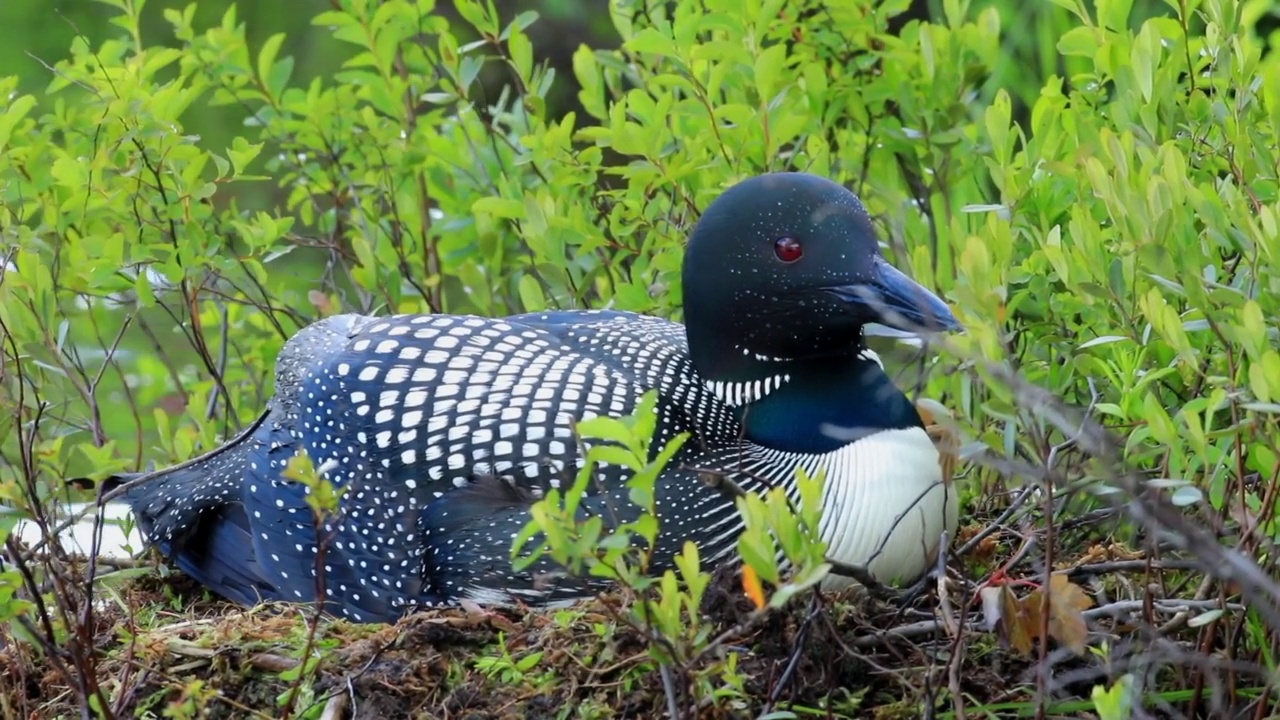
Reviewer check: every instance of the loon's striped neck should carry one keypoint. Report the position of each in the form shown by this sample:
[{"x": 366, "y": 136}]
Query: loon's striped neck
[{"x": 816, "y": 405}]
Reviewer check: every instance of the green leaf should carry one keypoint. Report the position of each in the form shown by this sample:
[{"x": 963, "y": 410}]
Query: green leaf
[
  {"x": 242, "y": 153},
  {"x": 498, "y": 207},
  {"x": 811, "y": 494},
  {"x": 17, "y": 110},
  {"x": 334, "y": 18},
  {"x": 267, "y": 57},
  {"x": 755, "y": 545},
  {"x": 1253, "y": 327},
  {"x": 531, "y": 294},
  {"x": 278, "y": 78},
  {"x": 1102, "y": 340},
  {"x": 1143, "y": 58},
  {"x": 590, "y": 81},
  {"x": 528, "y": 662},
  {"x": 603, "y": 427},
  {"x": 651, "y": 42},
  {"x": 204, "y": 191},
  {"x": 769, "y": 67},
  {"x": 521, "y": 54},
  {"x": 1264, "y": 377},
  {"x": 928, "y": 60},
  {"x": 997, "y": 119},
  {"x": 1116, "y": 702},
  {"x": 760, "y": 556},
  {"x": 615, "y": 455},
  {"x": 1114, "y": 14},
  {"x": 142, "y": 286},
  {"x": 1079, "y": 42},
  {"x": 1162, "y": 428}
]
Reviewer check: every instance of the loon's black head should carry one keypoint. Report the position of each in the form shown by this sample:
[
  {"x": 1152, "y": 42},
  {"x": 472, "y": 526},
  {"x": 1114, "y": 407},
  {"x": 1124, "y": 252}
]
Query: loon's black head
[{"x": 786, "y": 267}]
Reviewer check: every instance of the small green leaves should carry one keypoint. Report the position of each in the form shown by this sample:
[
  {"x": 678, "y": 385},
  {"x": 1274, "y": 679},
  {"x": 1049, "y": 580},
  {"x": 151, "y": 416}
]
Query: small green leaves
[
  {"x": 997, "y": 121},
  {"x": 241, "y": 154},
  {"x": 483, "y": 17},
  {"x": 777, "y": 530},
  {"x": 323, "y": 497},
  {"x": 272, "y": 74},
  {"x": 14, "y": 113},
  {"x": 572, "y": 541},
  {"x": 1115, "y": 702}
]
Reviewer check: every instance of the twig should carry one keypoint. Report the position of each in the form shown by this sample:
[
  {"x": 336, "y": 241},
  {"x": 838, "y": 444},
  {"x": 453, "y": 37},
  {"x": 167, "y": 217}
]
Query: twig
[
  {"x": 864, "y": 578},
  {"x": 1114, "y": 566},
  {"x": 669, "y": 688},
  {"x": 802, "y": 637},
  {"x": 741, "y": 628},
  {"x": 1152, "y": 510},
  {"x": 1112, "y": 610},
  {"x": 1167, "y": 606},
  {"x": 956, "y": 631},
  {"x": 995, "y": 525}
]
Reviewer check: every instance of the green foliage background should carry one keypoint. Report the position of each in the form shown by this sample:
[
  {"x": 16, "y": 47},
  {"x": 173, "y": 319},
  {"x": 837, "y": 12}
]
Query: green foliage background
[
  {"x": 1133, "y": 201},
  {"x": 1093, "y": 187}
]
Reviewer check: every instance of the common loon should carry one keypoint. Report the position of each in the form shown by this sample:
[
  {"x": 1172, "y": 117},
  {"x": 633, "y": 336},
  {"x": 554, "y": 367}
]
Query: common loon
[{"x": 445, "y": 429}]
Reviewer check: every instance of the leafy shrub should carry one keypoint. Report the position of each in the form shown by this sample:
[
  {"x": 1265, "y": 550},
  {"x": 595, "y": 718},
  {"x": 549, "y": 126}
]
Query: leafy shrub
[{"x": 1107, "y": 229}]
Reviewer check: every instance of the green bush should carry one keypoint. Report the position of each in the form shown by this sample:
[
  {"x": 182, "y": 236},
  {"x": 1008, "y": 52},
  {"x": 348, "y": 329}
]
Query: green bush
[{"x": 1095, "y": 194}]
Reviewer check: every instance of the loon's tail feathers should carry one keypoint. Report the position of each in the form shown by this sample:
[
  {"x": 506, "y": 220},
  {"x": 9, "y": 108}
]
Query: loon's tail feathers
[
  {"x": 112, "y": 483},
  {"x": 169, "y": 503},
  {"x": 219, "y": 555},
  {"x": 193, "y": 514}
]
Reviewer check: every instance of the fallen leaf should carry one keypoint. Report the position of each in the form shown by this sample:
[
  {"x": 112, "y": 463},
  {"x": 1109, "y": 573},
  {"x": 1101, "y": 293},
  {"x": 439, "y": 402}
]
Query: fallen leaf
[
  {"x": 1020, "y": 619},
  {"x": 752, "y": 586},
  {"x": 1067, "y": 603}
]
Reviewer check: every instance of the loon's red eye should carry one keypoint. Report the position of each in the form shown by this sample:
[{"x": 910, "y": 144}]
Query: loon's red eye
[{"x": 788, "y": 249}]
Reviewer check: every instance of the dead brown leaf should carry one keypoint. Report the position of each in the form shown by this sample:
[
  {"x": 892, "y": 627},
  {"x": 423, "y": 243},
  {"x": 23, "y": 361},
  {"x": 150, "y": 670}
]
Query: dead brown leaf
[
  {"x": 1021, "y": 619},
  {"x": 1067, "y": 603}
]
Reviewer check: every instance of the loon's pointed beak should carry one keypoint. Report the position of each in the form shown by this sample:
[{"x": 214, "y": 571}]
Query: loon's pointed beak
[{"x": 898, "y": 301}]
